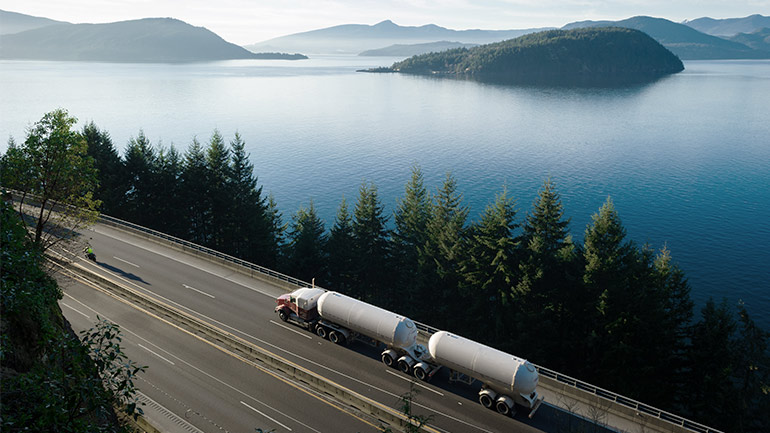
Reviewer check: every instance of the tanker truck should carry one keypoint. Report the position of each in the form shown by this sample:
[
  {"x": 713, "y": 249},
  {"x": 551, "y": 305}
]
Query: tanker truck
[
  {"x": 506, "y": 380},
  {"x": 341, "y": 318}
]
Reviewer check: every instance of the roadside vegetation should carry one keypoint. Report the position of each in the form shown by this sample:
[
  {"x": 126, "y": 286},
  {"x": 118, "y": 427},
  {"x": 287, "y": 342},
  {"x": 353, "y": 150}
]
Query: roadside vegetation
[{"x": 605, "y": 310}]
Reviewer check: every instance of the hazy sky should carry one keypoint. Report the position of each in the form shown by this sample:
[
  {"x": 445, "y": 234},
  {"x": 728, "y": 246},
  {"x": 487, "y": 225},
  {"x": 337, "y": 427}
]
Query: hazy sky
[{"x": 249, "y": 21}]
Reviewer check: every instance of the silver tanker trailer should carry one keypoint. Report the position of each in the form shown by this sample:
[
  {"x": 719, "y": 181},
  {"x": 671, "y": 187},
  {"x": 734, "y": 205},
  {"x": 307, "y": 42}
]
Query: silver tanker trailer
[{"x": 506, "y": 379}]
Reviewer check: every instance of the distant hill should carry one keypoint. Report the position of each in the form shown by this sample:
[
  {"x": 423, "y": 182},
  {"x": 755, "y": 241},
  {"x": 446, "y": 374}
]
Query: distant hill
[
  {"x": 164, "y": 40},
  {"x": 682, "y": 40},
  {"x": 758, "y": 40},
  {"x": 12, "y": 22},
  {"x": 399, "y": 50},
  {"x": 355, "y": 38},
  {"x": 729, "y": 26},
  {"x": 592, "y": 56}
]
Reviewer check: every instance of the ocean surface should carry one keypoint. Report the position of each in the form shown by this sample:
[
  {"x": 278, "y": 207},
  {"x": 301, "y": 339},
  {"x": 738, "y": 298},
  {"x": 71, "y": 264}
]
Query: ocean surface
[{"x": 685, "y": 159}]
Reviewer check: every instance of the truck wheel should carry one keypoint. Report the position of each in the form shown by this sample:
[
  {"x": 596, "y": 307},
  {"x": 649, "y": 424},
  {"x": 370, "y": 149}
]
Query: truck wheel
[
  {"x": 404, "y": 366},
  {"x": 336, "y": 337},
  {"x": 420, "y": 373},
  {"x": 321, "y": 331},
  {"x": 282, "y": 314},
  {"x": 503, "y": 408},
  {"x": 486, "y": 401},
  {"x": 387, "y": 359}
]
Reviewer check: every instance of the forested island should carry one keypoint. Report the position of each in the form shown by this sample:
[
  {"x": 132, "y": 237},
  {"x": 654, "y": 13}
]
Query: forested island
[
  {"x": 605, "y": 309},
  {"x": 592, "y": 56}
]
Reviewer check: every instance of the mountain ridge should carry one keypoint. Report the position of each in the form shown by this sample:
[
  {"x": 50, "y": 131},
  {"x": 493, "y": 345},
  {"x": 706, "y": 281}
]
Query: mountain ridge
[{"x": 165, "y": 40}]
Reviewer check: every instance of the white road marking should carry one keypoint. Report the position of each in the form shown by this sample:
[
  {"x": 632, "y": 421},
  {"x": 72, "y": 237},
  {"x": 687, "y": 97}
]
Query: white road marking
[
  {"x": 76, "y": 310},
  {"x": 125, "y": 261},
  {"x": 292, "y": 330},
  {"x": 182, "y": 361},
  {"x": 261, "y": 413},
  {"x": 415, "y": 382},
  {"x": 154, "y": 353},
  {"x": 186, "y": 263},
  {"x": 199, "y": 291}
]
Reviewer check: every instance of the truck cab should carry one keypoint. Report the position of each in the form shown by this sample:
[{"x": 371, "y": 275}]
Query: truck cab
[{"x": 300, "y": 306}]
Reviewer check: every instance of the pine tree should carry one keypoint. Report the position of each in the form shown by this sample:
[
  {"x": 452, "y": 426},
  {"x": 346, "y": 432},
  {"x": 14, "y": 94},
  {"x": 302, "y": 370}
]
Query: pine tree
[
  {"x": 442, "y": 254},
  {"x": 140, "y": 163},
  {"x": 249, "y": 234},
  {"x": 371, "y": 246},
  {"x": 277, "y": 234},
  {"x": 411, "y": 220},
  {"x": 307, "y": 246},
  {"x": 220, "y": 199},
  {"x": 546, "y": 292},
  {"x": 340, "y": 251},
  {"x": 489, "y": 273},
  {"x": 111, "y": 190},
  {"x": 169, "y": 214},
  {"x": 196, "y": 195}
]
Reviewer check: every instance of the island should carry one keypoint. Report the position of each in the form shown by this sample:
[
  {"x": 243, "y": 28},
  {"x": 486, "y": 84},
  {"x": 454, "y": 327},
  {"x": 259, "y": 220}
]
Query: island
[{"x": 587, "y": 56}]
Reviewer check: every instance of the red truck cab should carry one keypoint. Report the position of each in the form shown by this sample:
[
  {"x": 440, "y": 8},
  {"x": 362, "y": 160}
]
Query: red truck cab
[{"x": 300, "y": 305}]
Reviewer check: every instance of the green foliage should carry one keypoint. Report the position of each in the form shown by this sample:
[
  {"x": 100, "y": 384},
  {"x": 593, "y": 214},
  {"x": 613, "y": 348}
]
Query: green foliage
[
  {"x": 371, "y": 247},
  {"x": 340, "y": 251},
  {"x": 55, "y": 176},
  {"x": 307, "y": 245},
  {"x": 51, "y": 380},
  {"x": 590, "y": 55}
]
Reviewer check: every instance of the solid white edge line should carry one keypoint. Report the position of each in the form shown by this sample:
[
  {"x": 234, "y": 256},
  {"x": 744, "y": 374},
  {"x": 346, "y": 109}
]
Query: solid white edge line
[
  {"x": 261, "y": 413},
  {"x": 76, "y": 310},
  {"x": 199, "y": 291},
  {"x": 140, "y": 345},
  {"x": 413, "y": 381}
]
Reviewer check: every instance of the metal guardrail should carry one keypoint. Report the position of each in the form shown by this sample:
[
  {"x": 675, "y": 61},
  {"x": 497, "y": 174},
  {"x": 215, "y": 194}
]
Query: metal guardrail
[{"x": 429, "y": 330}]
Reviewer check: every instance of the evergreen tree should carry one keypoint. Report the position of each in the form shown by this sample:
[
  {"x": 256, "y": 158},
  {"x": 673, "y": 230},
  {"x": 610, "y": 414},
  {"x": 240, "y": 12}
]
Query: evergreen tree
[
  {"x": 713, "y": 397},
  {"x": 169, "y": 214},
  {"x": 372, "y": 280},
  {"x": 140, "y": 163},
  {"x": 490, "y": 273},
  {"x": 219, "y": 196},
  {"x": 307, "y": 246},
  {"x": 442, "y": 254},
  {"x": 249, "y": 234},
  {"x": 340, "y": 251},
  {"x": 277, "y": 230},
  {"x": 111, "y": 190},
  {"x": 752, "y": 375},
  {"x": 546, "y": 292},
  {"x": 196, "y": 195},
  {"x": 411, "y": 220}
]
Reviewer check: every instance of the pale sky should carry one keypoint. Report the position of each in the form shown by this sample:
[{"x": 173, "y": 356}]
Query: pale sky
[{"x": 245, "y": 22}]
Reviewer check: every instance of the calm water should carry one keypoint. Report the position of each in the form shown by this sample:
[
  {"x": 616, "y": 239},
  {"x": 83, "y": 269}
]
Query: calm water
[{"x": 686, "y": 159}]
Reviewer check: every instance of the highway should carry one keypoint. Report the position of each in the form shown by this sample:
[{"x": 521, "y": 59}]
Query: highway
[{"x": 199, "y": 386}]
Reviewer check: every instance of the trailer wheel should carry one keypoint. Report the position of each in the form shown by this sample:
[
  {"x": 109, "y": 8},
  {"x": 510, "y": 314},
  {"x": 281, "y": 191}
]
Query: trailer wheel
[
  {"x": 336, "y": 337},
  {"x": 387, "y": 359},
  {"x": 282, "y": 314},
  {"x": 486, "y": 401},
  {"x": 404, "y": 366},
  {"x": 321, "y": 331},
  {"x": 420, "y": 373},
  {"x": 503, "y": 408}
]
